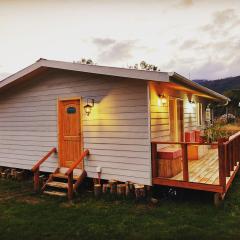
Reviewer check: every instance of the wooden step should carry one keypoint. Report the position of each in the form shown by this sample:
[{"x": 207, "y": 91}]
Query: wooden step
[
  {"x": 57, "y": 184},
  {"x": 76, "y": 171},
  {"x": 55, "y": 193},
  {"x": 62, "y": 175}
]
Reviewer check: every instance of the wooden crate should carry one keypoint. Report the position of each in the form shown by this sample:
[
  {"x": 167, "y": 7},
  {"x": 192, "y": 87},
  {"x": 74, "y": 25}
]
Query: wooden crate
[
  {"x": 195, "y": 152},
  {"x": 169, "y": 167}
]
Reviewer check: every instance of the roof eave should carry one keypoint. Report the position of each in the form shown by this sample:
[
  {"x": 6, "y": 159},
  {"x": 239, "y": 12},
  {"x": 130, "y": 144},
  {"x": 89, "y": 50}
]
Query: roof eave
[
  {"x": 207, "y": 91},
  {"x": 85, "y": 68}
]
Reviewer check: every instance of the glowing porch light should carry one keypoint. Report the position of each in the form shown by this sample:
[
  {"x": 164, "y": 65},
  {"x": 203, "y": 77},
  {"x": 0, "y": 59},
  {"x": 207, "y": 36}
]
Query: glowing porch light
[
  {"x": 190, "y": 105},
  {"x": 162, "y": 100},
  {"x": 88, "y": 107}
]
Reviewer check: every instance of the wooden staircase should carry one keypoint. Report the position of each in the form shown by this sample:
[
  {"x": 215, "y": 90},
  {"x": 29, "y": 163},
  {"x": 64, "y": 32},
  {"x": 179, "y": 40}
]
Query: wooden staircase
[
  {"x": 57, "y": 184},
  {"x": 64, "y": 181}
]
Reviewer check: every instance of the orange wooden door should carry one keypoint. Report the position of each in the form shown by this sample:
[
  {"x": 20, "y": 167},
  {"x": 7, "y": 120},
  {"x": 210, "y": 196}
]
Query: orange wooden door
[
  {"x": 180, "y": 119},
  {"x": 69, "y": 130}
]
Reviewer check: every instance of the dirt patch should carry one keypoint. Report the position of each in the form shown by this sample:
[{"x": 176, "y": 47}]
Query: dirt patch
[
  {"x": 30, "y": 200},
  {"x": 23, "y": 196}
]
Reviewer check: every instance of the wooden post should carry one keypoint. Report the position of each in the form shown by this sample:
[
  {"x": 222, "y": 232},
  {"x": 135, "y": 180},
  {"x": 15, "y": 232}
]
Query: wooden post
[
  {"x": 222, "y": 171},
  {"x": 36, "y": 180},
  {"x": 231, "y": 156},
  {"x": 154, "y": 160},
  {"x": 106, "y": 188},
  {"x": 70, "y": 186},
  {"x": 226, "y": 160},
  {"x": 185, "y": 162},
  {"x": 121, "y": 189},
  {"x": 113, "y": 186},
  {"x": 139, "y": 191},
  {"x": 235, "y": 152},
  {"x": 97, "y": 190},
  {"x": 238, "y": 147}
]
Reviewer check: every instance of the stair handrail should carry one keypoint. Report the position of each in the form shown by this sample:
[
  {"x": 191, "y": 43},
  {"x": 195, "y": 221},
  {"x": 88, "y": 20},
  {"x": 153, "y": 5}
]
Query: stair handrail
[
  {"x": 69, "y": 173},
  {"x": 42, "y": 160},
  {"x": 36, "y": 168},
  {"x": 76, "y": 163}
]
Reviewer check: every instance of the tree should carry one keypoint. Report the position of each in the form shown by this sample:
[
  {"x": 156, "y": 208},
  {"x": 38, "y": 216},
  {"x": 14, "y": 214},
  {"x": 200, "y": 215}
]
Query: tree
[
  {"x": 233, "y": 105},
  {"x": 143, "y": 65},
  {"x": 85, "y": 61}
]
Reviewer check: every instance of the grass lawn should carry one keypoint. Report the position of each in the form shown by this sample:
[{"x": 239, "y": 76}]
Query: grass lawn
[{"x": 24, "y": 215}]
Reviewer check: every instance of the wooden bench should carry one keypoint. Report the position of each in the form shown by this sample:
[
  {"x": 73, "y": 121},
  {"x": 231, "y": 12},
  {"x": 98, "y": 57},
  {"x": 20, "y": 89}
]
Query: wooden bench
[{"x": 169, "y": 162}]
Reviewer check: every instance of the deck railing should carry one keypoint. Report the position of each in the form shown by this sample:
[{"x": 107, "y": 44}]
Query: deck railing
[
  {"x": 228, "y": 157},
  {"x": 184, "y": 146},
  {"x": 36, "y": 168},
  {"x": 69, "y": 174}
]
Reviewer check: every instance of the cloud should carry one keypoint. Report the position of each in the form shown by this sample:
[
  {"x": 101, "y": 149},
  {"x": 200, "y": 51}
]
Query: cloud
[
  {"x": 187, "y": 2},
  {"x": 184, "y": 3},
  {"x": 211, "y": 69},
  {"x": 189, "y": 44},
  {"x": 222, "y": 17},
  {"x": 119, "y": 51},
  {"x": 223, "y": 22},
  {"x": 103, "y": 42}
]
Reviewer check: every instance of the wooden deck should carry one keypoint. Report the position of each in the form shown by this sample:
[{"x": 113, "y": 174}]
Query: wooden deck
[
  {"x": 214, "y": 172},
  {"x": 204, "y": 170}
]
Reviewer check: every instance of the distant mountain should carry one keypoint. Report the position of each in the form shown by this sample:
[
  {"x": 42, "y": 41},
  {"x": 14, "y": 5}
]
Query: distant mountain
[{"x": 221, "y": 85}]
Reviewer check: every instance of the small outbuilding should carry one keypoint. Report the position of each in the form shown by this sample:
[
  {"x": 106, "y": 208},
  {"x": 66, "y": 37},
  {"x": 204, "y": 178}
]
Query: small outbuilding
[{"x": 124, "y": 124}]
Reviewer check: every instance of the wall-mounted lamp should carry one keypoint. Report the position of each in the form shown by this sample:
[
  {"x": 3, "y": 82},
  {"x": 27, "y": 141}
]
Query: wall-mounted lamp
[
  {"x": 162, "y": 100},
  {"x": 88, "y": 107}
]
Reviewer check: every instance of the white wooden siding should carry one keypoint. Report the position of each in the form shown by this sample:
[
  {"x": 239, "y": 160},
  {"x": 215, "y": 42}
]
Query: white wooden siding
[
  {"x": 116, "y": 132},
  {"x": 160, "y": 122},
  {"x": 160, "y": 130},
  {"x": 190, "y": 116}
]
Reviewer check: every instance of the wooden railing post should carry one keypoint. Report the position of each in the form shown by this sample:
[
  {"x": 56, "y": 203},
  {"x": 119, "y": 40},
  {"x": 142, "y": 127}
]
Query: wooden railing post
[
  {"x": 36, "y": 168},
  {"x": 226, "y": 161},
  {"x": 36, "y": 180},
  {"x": 69, "y": 173},
  {"x": 154, "y": 160},
  {"x": 185, "y": 162},
  {"x": 70, "y": 186},
  {"x": 222, "y": 169},
  {"x": 238, "y": 148}
]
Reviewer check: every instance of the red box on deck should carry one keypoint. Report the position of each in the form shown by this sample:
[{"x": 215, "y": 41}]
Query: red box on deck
[
  {"x": 190, "y": 136},
  {"x": 197, "y": 136}
]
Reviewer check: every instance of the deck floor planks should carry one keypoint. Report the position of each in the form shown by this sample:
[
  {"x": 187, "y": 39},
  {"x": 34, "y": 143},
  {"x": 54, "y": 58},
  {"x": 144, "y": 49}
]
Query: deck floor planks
[{"x": 204, "y": 170}]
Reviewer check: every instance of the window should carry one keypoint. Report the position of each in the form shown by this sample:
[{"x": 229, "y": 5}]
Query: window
[
  {"x": 199, "y": 114},
  {"x": 208, "y": 114}
]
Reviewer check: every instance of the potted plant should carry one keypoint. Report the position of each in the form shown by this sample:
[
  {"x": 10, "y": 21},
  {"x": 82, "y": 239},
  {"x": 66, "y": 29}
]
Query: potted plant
[{"x": 215, "y": 134}]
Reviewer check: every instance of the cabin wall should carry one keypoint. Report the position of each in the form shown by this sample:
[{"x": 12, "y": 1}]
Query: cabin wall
[
  {"x": 116, "y": 132},
  {"x": 160, "y": 128},
  {"x": 160, "y": 120},
  {"x": 190, "y": 116}
]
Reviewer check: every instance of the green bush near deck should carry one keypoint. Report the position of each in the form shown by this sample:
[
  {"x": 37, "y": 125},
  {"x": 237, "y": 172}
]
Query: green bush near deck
[{"x": 24, "y": 215}]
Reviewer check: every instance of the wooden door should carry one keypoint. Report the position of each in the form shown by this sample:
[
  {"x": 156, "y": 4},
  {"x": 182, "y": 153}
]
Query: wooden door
[
  {"x": 176, "y": 120},
  {"x": 180, "y": 120},
  {"x": 173, "y": 120},
  {"x": 69, "y": 131}
]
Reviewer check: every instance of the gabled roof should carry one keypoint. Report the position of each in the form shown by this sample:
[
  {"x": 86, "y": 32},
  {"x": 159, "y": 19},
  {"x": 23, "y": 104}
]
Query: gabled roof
[{"x": 167, "y": 77}]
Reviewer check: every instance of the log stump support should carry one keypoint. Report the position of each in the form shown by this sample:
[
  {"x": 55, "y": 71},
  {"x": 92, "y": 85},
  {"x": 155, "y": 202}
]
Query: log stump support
[
  {"x": 113, "y": 186},
  {"x": 121, "y": 189},
  {"x": 97, "y": 190},
  {"x": 140, "y": 192}
]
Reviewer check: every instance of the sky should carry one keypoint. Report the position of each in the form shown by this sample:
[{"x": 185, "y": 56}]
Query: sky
[{"x": 199, "y": 39}]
